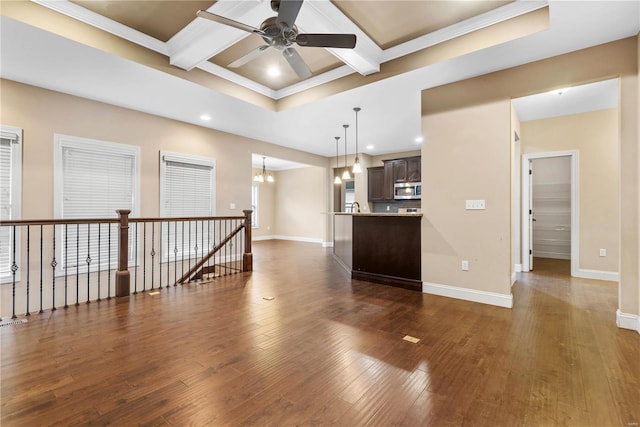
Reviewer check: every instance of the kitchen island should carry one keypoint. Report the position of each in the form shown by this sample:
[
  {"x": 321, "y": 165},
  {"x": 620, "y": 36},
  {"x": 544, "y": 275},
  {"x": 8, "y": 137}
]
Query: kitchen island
[{"x": 379, "y": 247}]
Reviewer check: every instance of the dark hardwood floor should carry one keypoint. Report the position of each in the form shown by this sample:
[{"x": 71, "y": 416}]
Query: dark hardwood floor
[{"x": 325, "y": 351}]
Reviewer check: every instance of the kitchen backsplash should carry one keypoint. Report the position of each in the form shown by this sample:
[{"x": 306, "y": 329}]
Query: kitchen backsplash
[{"x": 381, "y": 207}]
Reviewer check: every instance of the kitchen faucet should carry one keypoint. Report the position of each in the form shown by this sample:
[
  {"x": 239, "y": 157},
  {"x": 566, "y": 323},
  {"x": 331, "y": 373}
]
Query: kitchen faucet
[{"x": 353, "y": 205}]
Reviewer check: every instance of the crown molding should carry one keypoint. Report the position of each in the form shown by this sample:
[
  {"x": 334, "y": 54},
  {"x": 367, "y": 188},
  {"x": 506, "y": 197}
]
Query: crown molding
[
  {"x": 314, "y": 81},
  {"x": 219, "y": 71},
  {"x": 96, "y": 20},
  {"x": 467, "y": 26}
]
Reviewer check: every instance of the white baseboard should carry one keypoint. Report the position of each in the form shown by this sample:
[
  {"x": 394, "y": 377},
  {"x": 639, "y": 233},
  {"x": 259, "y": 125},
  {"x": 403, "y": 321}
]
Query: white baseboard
[
  {"x": 491, "y": 298},
  {"x": 257, "y": 238},
  {"x": 327, "y": 244},
  {"x": 293, "y": 238},
  {"x": 628, "y": 321},
  {"x": 612, "y": 276},
  {"x": 518, "y": 268}
]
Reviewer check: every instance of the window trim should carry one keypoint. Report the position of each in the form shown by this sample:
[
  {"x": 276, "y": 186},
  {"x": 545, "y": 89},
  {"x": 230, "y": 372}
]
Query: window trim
[
  {"x": 61, "y": 141},
  {"x": 16, "y": 190},
  {"x": 98, "y": 146},
  {"x": 188, "y": 159}
]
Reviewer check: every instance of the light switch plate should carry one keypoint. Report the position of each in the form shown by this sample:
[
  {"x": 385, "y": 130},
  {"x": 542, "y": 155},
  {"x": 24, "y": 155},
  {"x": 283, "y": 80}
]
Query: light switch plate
[
  {"x": 603, "y": 252},
  {"x": 232, "y": 205},
  {"x": 475, "y": 204}
]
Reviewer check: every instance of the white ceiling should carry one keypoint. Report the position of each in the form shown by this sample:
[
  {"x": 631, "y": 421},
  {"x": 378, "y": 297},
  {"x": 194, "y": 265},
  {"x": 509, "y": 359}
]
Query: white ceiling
[
  {"x": 563, "y": 101},
  {"x": 274, "y": 164},
  {"x": 390, "y": 116}
]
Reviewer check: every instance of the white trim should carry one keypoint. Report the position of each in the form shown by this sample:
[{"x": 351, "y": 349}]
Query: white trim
[
  {"x": 292, "y": 238},
  {"x": 365, "y": 58},
  {"x": 60, "y": 141},
  {"x": 518, "y": 268},
  {"x": 514, "y": 277},
  {"x": 190, "y": 159},
  {"x": 15, "y": 135},
  {"x": 96, "y": 20},
  {"x": 491, "y": 298},
  {"x": 628, "y": 321},
  {"x": 467, "y": 26},
  {"x": 327, "y": 244},
  {"x": 575, "y": 206},
  {"x": 611, "y": 276}
]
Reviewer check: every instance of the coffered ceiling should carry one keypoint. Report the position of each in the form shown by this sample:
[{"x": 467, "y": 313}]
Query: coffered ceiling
[{"x": 158, "y": 57}]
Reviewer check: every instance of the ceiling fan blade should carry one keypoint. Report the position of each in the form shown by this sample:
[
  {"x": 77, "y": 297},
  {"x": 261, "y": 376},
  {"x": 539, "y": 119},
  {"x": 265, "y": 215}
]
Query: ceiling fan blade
[
  {"x": 253, "y": 54},
  {"x": 230, "y": 22},
  {"x": 297, "y": 63},
  {"x": 347, "y": 41},
  {"x": 288, "y": 12}
]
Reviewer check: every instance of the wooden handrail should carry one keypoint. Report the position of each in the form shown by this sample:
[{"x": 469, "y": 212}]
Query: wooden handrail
[
  {"x": 211, "y": 253},
  {"x": 20, "y": 222}
]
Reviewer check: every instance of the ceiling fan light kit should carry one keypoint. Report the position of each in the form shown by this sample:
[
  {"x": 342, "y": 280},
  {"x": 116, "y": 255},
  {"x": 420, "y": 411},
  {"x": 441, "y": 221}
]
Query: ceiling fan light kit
[{"x": 280, "y": 32}]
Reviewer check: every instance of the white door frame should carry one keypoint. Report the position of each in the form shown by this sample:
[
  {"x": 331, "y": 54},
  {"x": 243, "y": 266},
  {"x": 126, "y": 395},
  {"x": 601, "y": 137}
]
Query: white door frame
[{"x": 575, "y": 207}]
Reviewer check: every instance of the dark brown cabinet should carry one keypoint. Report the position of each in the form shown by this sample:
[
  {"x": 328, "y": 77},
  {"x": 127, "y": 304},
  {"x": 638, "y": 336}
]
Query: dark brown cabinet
[
  {"x": 383, "y": 178},
  {"x": 376, "y": 184},
  {"x": 414, "y": 169}
]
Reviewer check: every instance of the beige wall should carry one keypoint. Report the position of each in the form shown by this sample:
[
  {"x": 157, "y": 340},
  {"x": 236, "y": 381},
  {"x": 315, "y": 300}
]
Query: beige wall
[
  {"x": 516, "y": 228},
  {"x": 466, "y": 156},
  {"x": 42, "y": 113},
  {"x": 266, "y": 208},
  {"x": 299, "y": 199},
  {"x": 440, "y": 104},
  {"x": 595, "y": 136}
]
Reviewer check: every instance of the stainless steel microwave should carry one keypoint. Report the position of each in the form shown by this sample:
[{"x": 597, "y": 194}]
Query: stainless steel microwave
[{"x": 407, "y": 190}]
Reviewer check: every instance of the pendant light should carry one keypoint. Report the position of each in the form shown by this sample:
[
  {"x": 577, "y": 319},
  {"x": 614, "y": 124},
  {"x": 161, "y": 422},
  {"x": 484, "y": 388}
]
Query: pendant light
[
  {"x": 345, "y": 175},
  {"x": 262, "y": 177},
  {"x": 337, "y": 180},
  {"x": 356, "y": 166}
]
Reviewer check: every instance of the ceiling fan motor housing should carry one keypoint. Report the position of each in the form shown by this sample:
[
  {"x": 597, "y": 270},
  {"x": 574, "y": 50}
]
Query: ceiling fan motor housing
[{"x": 275, "y": 36}]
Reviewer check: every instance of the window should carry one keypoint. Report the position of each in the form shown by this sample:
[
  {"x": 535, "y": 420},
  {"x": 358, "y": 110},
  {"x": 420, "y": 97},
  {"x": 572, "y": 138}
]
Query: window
[
  {"x": 187, "y": 189},
  {"x": 254, "y": 205},
  {"x": 93, "y": 179},
  {"x": 10, "y": 190}
]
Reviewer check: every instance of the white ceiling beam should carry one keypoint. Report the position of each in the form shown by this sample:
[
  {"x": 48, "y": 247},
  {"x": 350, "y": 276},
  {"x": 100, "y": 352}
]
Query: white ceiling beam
[
  {"x": 322, "y": 16},
  {"x": 203, "y": 39}
]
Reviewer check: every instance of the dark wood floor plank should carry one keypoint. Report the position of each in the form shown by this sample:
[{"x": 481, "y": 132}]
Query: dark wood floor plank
[{"x": 326, "y": 351}]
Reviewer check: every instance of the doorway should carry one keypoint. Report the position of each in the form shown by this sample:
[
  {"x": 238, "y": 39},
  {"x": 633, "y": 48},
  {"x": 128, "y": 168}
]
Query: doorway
[{"x": 550, "y": 208}]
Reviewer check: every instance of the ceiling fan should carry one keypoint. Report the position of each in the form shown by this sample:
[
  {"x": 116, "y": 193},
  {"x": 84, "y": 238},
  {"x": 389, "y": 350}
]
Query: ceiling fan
[{"x": 281, "y": 33}]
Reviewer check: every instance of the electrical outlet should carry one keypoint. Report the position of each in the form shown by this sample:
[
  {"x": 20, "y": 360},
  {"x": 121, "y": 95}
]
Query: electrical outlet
[
  {"x": 603, "y": 252},
  {"x": 465, "y": 265},
  {"x": 388, "y": 207},
  {"x": 475, "y": 204},
  {"x": 232, "y": 205}
]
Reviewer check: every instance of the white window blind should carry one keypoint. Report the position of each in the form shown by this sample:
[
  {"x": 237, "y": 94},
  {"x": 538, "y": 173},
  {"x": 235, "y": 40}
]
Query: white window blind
[
  {"x": 187, "y": 189},
  {"x": 93, "y": 179},
  {"x": 10, "y": 189}
]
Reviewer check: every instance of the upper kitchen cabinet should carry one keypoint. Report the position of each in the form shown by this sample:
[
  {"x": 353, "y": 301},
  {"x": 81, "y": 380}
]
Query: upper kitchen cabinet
[
  {"x": 414, "y": 169},
  {"x": 376, "y": 177},
  {"x": 407, "y": 169},
  {"x": 383, "y": 178}
]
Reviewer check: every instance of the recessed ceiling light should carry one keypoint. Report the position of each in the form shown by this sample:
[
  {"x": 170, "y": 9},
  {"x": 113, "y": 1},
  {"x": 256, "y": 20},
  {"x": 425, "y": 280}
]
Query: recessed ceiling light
[
  {"x": 419, "y": 139},
  {"x": 205, "y": 117},
  {"x": 273, "y": 71},
  {"x": 369, "y": 147}
]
